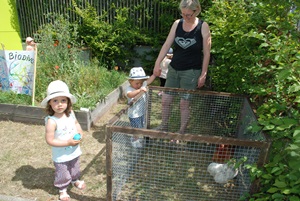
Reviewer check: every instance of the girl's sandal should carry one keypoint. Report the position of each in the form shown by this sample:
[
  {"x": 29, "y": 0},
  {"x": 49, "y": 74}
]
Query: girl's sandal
[
  {"x": 79, "y": 184},
  {"x": 63, "y": 195}
]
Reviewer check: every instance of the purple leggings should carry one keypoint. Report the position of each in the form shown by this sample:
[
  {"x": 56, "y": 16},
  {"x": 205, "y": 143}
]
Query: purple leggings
[{"x": 66, "y": 172}]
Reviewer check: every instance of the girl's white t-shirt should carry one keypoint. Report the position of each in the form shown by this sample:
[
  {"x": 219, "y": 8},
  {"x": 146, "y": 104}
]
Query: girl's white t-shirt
[{"x": 65, "y": 130}]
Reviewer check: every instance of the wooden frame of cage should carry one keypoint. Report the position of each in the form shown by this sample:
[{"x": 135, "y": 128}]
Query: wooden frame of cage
[{"x": 264, "y": 146}]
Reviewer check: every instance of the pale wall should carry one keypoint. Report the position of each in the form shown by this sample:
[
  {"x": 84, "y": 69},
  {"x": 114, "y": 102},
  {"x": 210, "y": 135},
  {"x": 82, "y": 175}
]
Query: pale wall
[{"x": 9, "y": 35}]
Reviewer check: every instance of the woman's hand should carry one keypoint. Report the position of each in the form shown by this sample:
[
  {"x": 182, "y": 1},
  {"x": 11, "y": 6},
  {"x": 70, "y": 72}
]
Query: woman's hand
[
  {"x": 201, "y": 81},
  {"x": 157, "y": 70}
]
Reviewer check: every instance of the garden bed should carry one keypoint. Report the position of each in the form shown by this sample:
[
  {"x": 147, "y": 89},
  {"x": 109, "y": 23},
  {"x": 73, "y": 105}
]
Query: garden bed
[{"x": 35, "y": 115}]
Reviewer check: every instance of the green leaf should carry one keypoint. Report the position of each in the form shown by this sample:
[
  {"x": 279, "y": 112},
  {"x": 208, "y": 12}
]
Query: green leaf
[
  {"x": 269, "y": 127},
  {"x": 273, "y": 190},
  {"x": 290, "y": 121},
  {"x": 280, "y": 184},
  {"x": 267, "y": 176},
  {"x": 286, "y": 191},
  {"x": 294, "y": 154},
  {"x": 277, "y": 121},
  {"x": 256, "y": 128},
  {"x": 263, "y": 45},
  {"x": 294, "y": 88},
  {"x": 277, "y": 196},
  {"x": 284, "y": 74},
  {"x": 296, "y": 132},
  {"x": 294, "y": 164},
  {"x": 294, "y": 198},
  {"x": 275, "y": 169},
  {"x": 292, "y": 177},
  {"x": 293, "y": 147},
  {"x": 296, "y": 189},
  {"x": 297, "y": 99}
]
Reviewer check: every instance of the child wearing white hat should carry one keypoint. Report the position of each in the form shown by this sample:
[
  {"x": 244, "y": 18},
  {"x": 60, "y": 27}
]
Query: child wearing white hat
[
  {"x": 138, "y": 82},
  {"x": 61, "y": 126},
  {"x": 30, "y": 44}
]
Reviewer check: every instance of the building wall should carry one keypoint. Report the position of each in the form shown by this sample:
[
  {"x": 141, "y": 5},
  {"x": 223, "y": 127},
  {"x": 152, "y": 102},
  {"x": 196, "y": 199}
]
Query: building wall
[{"x": 9, "y": 29}]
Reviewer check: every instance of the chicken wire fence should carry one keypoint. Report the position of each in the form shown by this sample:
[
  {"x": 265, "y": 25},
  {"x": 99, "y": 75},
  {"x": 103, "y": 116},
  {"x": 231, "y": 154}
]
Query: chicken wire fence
[{"x": 206, "y": 162}]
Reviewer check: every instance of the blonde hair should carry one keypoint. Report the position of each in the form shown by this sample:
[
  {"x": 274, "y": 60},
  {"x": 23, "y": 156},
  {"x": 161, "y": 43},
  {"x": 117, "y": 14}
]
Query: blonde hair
[{"x": 192, "y": 5}]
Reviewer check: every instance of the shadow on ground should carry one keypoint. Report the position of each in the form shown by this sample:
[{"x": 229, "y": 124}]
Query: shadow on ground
[
  {"x": 42, "y": 178},
  {"x": 100, "y": 133},
  {"x": 33, "y": 178}
]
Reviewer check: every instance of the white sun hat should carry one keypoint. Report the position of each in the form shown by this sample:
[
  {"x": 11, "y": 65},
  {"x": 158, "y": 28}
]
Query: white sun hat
[
  {"x": 137, "y": 73},
  {"x": 29, "y": 39},
  {"x": 55, "y": 89}
]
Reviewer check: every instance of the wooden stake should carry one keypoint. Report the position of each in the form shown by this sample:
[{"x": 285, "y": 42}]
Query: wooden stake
[{"x": 34, "y": 75}]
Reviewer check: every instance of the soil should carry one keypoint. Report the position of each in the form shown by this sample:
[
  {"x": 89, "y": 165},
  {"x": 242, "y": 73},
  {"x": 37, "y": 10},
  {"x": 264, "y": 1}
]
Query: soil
[{"x": 27, "y": 169}]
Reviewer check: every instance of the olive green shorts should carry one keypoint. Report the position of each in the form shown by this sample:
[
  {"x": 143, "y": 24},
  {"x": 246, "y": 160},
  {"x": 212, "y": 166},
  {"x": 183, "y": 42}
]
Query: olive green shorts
[{"x": 186, "y": 79}]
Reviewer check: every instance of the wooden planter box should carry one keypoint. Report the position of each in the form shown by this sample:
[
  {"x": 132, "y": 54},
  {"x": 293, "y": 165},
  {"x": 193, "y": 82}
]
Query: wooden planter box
[{"x": 36, "y": 115}]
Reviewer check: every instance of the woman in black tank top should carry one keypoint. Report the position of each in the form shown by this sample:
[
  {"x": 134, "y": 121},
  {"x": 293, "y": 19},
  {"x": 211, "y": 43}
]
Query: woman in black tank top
[{"x": 191, "y": 41}]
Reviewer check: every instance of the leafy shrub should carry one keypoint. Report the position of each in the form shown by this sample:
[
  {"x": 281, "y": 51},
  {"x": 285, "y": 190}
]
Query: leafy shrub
[
  {"x": 60, "y": 57},
  {"x": 112, "y": 44},
  {"x": 256, "y": 44}
]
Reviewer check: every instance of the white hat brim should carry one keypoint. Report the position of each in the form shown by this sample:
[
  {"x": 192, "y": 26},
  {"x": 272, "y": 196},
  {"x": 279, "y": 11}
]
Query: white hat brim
[
  {"x": 45, "y": 101},
  {"x": 138, "y": 78}
]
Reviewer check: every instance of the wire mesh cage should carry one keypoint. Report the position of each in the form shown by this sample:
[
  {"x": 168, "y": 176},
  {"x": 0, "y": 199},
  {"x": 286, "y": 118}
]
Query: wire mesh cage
[{"x": 187, "y": 146}]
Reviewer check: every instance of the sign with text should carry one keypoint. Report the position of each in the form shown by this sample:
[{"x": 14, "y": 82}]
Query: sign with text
[{"x": 17, "y": 71}]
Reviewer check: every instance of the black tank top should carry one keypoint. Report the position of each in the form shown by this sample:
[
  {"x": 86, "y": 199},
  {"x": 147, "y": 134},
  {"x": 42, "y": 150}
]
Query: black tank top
[{"x": 188, "y": 48}]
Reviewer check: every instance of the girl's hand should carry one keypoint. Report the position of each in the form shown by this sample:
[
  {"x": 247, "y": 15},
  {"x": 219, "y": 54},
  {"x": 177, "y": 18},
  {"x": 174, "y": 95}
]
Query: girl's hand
[{"x": 72, "y": 142}]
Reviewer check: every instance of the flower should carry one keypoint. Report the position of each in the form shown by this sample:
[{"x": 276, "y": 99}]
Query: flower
[
  {"x": 56, "y": 43},
  {"x": 56, "y": 67}
]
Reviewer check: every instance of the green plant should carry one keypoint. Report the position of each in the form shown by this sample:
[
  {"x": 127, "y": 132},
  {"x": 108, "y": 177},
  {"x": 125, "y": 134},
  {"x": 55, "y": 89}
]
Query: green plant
[
  {"x": 256, "y": 44},
  {"x": 230, "y": 22},
  {"x": 277, "y": 98},
  {"x": 58, "y": 53},
  {"x": 60, "y": 57},
  {"x": 111, "y": 43},
  {"x": 13, "y": 98}
]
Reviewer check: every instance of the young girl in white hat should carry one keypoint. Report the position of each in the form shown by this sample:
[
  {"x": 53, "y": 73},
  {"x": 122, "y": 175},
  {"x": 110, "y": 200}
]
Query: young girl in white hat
[
  {"x": 136, "y": 113},
  {"x": 61, "y": 126}
]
